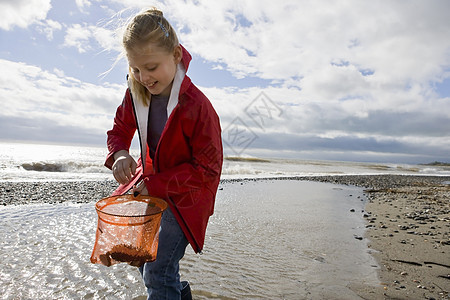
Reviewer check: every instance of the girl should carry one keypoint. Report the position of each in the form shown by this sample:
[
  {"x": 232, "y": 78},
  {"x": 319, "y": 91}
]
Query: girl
[{"x": 180, "y": 140}]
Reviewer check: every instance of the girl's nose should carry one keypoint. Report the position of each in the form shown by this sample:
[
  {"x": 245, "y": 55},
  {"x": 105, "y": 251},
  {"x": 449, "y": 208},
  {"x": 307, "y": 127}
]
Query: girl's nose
[{"x": 144, "y": 76}]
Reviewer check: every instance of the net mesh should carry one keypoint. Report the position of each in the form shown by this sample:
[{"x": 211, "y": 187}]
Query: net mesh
[{"x": 127, "y": 229}]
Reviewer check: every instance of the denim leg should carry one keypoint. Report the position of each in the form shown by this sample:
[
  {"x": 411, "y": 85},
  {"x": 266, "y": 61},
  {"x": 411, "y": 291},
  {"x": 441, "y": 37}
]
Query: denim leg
[{"x": 162, "y": 277}]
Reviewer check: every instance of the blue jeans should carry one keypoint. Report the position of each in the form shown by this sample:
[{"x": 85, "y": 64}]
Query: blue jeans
[{"x": 162, "y": 277}]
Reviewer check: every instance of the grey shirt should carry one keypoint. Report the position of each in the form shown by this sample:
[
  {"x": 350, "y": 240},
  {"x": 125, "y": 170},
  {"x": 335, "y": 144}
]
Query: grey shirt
[{"x": 157, "y": 118}]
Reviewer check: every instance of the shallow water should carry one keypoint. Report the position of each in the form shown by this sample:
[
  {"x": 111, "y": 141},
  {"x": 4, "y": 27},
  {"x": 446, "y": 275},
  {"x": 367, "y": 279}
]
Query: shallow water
[{"x": 266, "y": 240}]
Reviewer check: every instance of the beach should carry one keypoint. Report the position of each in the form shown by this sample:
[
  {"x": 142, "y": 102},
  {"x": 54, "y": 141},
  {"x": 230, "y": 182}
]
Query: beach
[{"x": 402, "y": 222}]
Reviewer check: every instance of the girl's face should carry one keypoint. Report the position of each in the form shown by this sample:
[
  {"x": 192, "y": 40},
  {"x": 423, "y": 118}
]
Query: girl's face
[{"x": 154, "y": 67}]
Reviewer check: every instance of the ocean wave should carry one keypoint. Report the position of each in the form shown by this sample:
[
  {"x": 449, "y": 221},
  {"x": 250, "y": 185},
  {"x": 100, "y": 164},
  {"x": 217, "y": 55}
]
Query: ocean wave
[
  {"x": 44, "y": 167},
  {"x": 62, "y": 167},
  {"x": 246, "y": 159}
]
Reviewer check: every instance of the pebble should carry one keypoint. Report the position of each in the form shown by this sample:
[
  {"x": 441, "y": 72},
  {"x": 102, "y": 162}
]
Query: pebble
[{"x": 54, "y": 192}]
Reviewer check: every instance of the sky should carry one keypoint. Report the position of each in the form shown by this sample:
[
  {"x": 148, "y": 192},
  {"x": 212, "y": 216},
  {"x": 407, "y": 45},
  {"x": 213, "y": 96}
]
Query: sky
[{"x": 334, "y": 80}]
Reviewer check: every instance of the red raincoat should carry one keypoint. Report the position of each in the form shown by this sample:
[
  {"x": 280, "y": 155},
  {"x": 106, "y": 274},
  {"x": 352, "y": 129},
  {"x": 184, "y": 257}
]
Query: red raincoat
[{"x": 188, "y": 159}]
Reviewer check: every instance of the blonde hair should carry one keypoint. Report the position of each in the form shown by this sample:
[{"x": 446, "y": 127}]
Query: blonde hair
[{"x": 148, "y": 26}]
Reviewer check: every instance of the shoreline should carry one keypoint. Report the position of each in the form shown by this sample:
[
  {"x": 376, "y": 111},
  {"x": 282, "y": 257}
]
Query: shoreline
[
  {"x": 407, "y": 220},
  {"x": 54, "y": 192}
]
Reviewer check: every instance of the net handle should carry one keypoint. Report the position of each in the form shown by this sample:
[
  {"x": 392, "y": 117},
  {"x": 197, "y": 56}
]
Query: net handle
[
  {"x": 160, "y": 203},
  {"x": 127, "y": 224}
]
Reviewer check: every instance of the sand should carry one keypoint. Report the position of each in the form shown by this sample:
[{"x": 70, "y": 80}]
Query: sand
[
  {"x": 408, "y": 221},
  {"x": 409, "y": 227}
]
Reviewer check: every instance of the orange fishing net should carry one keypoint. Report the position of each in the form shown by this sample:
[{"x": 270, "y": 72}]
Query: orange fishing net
[{"x": 127, "y": 229}]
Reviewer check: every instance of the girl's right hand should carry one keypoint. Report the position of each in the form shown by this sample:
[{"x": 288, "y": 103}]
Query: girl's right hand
[{"x": 124, "y": 167}]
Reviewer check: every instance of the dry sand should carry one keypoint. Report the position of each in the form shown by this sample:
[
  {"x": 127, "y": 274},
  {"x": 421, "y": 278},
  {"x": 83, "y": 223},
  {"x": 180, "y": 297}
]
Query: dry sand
[{"x": 409, "y": 227}]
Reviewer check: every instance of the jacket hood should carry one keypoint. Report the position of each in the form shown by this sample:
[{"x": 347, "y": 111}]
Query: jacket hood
[{"x": 186, "y": 58}]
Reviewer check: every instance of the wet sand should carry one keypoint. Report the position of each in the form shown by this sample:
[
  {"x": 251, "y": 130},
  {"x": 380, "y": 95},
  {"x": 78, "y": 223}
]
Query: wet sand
[{"x": 408, "y": 221}]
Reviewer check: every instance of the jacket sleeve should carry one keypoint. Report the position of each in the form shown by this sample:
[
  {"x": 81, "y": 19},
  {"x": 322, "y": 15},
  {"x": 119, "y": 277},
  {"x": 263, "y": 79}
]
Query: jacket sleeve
[
  {"x": 121, "y": 135},
  {"x": 205, "y": 165}
]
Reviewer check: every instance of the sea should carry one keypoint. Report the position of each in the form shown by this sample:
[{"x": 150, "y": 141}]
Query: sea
[
  {"x": 40, "y": 162},
  {"x": 267, "y": 239}
]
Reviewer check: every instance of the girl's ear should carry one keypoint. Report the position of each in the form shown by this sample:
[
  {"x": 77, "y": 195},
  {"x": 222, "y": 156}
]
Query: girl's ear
[{"x": 177, "y": 54}]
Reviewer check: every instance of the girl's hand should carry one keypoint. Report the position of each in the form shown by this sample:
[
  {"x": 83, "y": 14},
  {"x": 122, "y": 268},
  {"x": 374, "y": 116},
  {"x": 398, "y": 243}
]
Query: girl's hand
[{"x": 124, "y": 167}]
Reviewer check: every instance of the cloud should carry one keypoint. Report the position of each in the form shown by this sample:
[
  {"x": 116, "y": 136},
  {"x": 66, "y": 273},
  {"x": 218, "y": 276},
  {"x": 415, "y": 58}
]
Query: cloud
[
  {"x": 83, "y": 4},
  {"x": 45, "y": 104},
  {"x": 48, "y": 27},
  {"x": 397, "y": 42},
  {"x": 349, "y": 144},
  {"x": 22, "y": 13},
  {"x": 329, "y": 49},
  {"x": 78, "y": 36},
  {"x": 82, "y": 36},
  {"x": 319, "y": 129}
]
